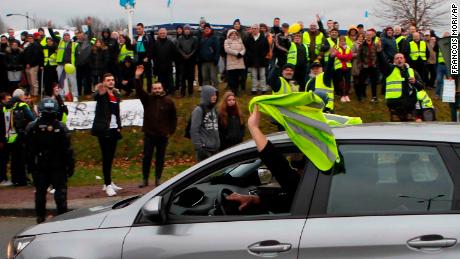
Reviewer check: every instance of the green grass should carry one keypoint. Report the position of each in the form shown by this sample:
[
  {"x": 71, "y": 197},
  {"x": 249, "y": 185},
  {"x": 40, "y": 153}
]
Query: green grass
[{"x": 179, "y": 155}]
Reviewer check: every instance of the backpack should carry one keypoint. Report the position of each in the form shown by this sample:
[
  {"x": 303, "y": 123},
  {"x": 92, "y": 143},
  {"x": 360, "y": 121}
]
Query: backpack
[
  {"x": 19, "y": 118},
  {"x": 189, "y": 123}
]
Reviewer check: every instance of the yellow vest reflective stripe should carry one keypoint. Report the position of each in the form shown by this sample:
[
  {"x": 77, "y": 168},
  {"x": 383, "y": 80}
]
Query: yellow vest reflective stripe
[
  {"x": 393, "y": 89},
  {"x": 285, "y": 87},
  {"x": 340, "y": 120},
  {"x": 124, "y": 52},
  {"x": 416, "y": 52},
  {"x": 292, "y": 54},
  {"x": 61, "y": 50},
  {"x": 424, "y": 99},
  {"x": 318, "y": 41},
  {"x": 331, "y": 45},
  {"x": 93, "y": 41},
  {"x": 440, "y": 57},
  {"x": 320, "y": 87},
  {"x": 49, "y": 60},
  {"x": 338, "y": 63},
  {"x": 398, "y": 40},
  {"x": 302, "y": 117},
  {"x": 349, "y": 41}
]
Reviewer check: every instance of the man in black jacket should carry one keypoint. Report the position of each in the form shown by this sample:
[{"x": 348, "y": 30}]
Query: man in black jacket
[
  {"x": 107, "y": 127},
  {"x": 157, "y": 108},
  {"x": 257, "y": 48},
  {"x": 113, "y": 49},
  {"x": 33, "y": 58},
  {"x": 164, "y": 52},
  {"x": 49, "y": 157},
  {"x": 187, "y": 46}
]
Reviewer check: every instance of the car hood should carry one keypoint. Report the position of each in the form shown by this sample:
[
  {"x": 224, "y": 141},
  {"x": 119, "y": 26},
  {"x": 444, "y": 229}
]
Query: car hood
[{"x": 80, "y": 219}]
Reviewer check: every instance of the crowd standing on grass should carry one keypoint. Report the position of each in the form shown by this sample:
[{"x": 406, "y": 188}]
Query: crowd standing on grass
[{"x": 107, "y": 66}]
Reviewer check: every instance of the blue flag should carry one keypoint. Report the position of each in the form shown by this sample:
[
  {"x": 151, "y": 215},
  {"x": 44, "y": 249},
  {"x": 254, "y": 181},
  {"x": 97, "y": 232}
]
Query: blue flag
[
  {"x": 366, "y": 14},
  {"x": 127, "y": 3},
  {"x": 169, "y": 3}
]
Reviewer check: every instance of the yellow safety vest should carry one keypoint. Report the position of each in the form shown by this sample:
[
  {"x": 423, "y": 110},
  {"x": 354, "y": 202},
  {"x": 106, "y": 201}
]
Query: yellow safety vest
[
  {"x": 398, "y": 40},
  {"x": 425, "y": 100},
  {"x": 416, "y": 52},
  {"x": 11, "y": 133},
  {"x": 320, "y": 87},
  {"x": 332, "y": 45},
  {"x": 51, "y": 59},
  {"x": 61, "y": 50},
  {"x": 285, "y": 87},
  {"x": 376, "y": 39},
  {"x": 318, "y": 41},
  {"x": 338, "y": 63},
  {"x": 349, "y": 41},
  {"x": 43, "y": 42},
  {"x": 124, "y": 52},
  {"x": 393, "y": 89},
  {"x": 440, "y": 57},
  {"x": 292, "y": 54}
]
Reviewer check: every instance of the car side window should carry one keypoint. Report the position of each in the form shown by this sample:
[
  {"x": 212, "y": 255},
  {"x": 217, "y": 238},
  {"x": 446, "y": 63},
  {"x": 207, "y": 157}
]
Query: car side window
[
  {"x": 390, "y": 179},
  {"x": 207, "y": 196}
]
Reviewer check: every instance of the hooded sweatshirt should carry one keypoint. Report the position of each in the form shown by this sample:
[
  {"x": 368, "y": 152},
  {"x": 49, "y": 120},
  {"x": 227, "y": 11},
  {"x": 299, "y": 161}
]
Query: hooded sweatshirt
[{"x": 204, "y": 129}]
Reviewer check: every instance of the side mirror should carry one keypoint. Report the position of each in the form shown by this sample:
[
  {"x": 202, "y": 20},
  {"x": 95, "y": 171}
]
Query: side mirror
[{"x": 153, "y": 210}]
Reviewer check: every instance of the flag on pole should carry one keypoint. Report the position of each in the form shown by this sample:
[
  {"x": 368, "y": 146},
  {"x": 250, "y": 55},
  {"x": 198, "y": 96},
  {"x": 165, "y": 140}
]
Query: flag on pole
[
  {"x": 366, "y": 14},
  {"x": 128, "y": 3},
  {"x": 169, "y": 3}
]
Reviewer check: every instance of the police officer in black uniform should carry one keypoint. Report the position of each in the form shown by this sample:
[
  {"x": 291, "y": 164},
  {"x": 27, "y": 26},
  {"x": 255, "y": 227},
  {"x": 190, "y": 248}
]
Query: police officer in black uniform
[{"x": 49, "y": 156}]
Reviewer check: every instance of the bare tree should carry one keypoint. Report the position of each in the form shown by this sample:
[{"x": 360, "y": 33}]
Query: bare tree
[
  {"x": 40, "y": 22},
  {"x": 422, "y": 14},
  {"x": 97, "y": 24},
  {"x": 2, "y": 26}
]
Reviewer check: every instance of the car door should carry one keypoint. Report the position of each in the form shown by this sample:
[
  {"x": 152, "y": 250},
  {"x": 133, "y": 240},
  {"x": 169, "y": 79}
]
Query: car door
[
  {"x": 392, "y": 200},
  {"x": 236, "y": 236}
]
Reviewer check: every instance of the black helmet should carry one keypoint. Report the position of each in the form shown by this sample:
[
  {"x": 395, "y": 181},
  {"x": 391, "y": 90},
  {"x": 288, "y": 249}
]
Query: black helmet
[{"x": 48, "y": 105}]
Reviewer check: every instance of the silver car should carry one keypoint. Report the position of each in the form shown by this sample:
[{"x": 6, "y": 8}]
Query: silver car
[{"x": 395, "y": 194}]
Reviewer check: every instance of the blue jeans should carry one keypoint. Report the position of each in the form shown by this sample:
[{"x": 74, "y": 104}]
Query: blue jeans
[{"x": 441, "y": 72}]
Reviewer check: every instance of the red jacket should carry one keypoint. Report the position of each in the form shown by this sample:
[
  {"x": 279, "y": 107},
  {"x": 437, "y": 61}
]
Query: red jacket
[{"x": 344, "y": 57}]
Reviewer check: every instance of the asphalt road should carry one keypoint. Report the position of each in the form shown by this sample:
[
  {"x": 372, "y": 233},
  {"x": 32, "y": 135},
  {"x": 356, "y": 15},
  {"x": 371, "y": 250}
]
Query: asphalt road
[{"x": 9, "y": 226}]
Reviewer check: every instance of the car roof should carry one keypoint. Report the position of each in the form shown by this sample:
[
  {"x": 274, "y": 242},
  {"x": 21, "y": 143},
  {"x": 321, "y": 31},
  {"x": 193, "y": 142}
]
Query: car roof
[{"x": 434, "y": 132}]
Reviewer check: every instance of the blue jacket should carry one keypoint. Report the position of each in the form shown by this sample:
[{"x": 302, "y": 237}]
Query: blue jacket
[{"x": 209, "y": 49}]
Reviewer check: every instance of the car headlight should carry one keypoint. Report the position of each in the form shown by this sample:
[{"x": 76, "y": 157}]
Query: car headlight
[{"x": 16, "y": 245}]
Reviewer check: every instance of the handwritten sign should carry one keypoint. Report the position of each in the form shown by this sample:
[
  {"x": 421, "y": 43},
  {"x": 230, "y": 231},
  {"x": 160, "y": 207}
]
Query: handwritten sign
[{"x": 81, "y": 114}]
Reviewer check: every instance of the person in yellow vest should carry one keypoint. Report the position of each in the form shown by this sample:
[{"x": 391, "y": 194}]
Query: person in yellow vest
[
  {"x": 298, "y": 56},
  {"x": 65, "y": 54},
  {"x": 126, "y": 49},
  {"x": 400, "y": 39},
  {"x": 49, "y": 66},
  {"x": 283, "y": 84},
  {"x": 418, "y": 54},
  {"x": 402, "y": 84},
  {"x": 342, "y": 69},
  {"x": 321, "y": 82},
  {"x": 352, "y": 35},
  {"x": 314, "y": 39},
  {"x": 330, "y": 42},
  {"x": 424, "y": 108},
  {"x": 41, "y": 37}
]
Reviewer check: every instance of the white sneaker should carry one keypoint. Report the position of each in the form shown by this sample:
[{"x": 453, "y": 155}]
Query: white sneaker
[
  {"x": 75, "y": 99},
  {"x": 104, "y": 187},
  {"x": 6, "y": 183},
  {"x": 110, "y": 191},
  {"x": 115, "y": 187}
]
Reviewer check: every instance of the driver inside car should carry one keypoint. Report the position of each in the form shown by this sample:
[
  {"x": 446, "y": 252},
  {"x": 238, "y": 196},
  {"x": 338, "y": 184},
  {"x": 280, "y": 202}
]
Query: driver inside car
[{"x": 283, "y": 171}]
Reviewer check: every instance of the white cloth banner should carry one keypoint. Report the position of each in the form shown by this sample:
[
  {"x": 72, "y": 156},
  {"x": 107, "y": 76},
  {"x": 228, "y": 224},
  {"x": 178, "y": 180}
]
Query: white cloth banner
[
  {"x": 81, "y": 114},
  {"x": 448, "y": 92}
]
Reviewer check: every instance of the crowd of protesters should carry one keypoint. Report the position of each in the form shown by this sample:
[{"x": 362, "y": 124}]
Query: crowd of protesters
[{"x": 309, "y": 59}]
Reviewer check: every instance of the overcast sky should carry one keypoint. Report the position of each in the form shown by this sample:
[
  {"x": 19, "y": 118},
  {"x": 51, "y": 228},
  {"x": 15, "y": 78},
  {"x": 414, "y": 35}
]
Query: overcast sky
[{"x": 223, "y": 12}]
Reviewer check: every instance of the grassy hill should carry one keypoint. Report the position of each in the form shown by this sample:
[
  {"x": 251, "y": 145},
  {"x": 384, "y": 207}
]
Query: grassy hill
[{"x": 180, "y": 154}]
